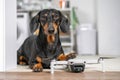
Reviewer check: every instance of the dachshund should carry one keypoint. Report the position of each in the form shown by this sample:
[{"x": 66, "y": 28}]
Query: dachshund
[{"x": 44, "y": 44}]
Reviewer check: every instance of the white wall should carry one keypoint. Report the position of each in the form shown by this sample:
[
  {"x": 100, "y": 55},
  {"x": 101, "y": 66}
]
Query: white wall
[
  {"x": 86, "y": 10},
  {"x": 1, "y": 35},
  {"x": 7, "y": 34},
  {"x": 10, "y": 34},
  {"x": 109, "y": 27}
]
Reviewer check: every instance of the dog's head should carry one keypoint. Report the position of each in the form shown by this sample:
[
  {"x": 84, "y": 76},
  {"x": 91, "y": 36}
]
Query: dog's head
[{"x": 49, "y": 21}]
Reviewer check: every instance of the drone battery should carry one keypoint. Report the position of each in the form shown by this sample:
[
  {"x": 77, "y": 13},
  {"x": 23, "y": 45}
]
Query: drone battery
[{"x": 76, "y": 67}]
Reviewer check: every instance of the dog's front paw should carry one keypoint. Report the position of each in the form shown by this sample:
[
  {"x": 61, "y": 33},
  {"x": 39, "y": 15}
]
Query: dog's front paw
[
  {"x": 71, "y": 56},
  {"x": 22, "y": 63},
  {"x": 37, "y": 68}
]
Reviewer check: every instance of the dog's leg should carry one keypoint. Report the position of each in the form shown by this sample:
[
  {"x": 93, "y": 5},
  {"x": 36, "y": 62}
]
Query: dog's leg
[
  {"x": 37, "y": 65},
  {"x": 63, "y": 57},
  {"x": 20, "y": 58}
]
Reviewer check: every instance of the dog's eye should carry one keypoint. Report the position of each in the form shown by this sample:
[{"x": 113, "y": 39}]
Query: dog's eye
[
  {"x": 56, "y": 16},
  {"x": 57, "y": 21},
  {"x": 43, "y": 18}
]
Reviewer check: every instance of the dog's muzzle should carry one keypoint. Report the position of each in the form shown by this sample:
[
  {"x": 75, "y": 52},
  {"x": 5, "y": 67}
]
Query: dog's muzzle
[{"x": 51, "y": 29}]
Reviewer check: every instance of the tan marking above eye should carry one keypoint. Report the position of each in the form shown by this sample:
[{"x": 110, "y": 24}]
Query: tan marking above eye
[
  {"x": 46, "y": 14},
  {"x": 53, "y": 13}
]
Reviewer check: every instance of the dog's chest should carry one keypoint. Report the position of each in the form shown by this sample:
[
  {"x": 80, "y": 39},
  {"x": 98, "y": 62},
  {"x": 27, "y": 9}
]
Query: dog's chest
[{"x": 50, "y": 50}]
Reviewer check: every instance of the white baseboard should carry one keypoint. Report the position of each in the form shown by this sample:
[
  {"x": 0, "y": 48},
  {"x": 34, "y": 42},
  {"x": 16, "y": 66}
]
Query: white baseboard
[
  {"x": 10, "y": 67},
  {"x": 7, "y": 68}
]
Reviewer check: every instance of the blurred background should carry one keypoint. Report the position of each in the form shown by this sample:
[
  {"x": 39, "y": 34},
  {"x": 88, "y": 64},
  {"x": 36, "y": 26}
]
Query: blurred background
[{"x": 94, "y": 28}]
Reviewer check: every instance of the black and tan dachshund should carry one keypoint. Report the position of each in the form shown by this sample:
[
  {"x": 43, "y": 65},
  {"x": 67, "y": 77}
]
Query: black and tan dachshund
[{"x": 44, "y": 45}]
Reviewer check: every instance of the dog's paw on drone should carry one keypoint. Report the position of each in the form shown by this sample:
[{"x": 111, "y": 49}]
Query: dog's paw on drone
[
  {"x": 37, "y": 68},
  {"x": 71, "y": 56}
]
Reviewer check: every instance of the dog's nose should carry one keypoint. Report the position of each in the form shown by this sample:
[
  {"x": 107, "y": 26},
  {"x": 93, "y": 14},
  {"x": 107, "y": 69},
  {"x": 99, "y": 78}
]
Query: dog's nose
[{"x": 51, "y": 30}]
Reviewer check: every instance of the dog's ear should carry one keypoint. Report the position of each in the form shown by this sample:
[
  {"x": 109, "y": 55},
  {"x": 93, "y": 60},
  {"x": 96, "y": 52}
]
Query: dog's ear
[
  {"x": 35, "y": 24},
  {"x": 64, "y": 23}
]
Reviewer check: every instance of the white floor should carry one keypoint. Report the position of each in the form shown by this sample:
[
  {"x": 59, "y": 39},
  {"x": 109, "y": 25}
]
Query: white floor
[{"x": 110, "y": 64}]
